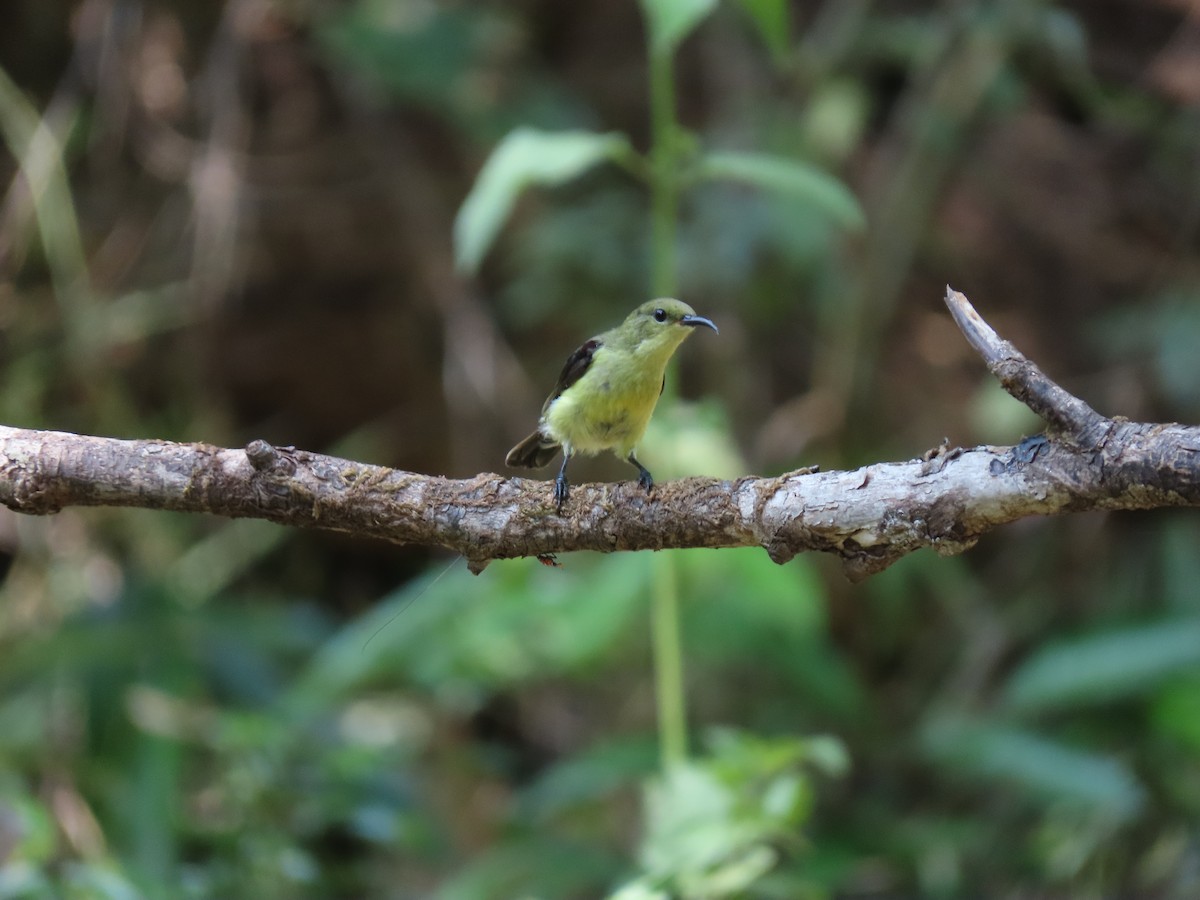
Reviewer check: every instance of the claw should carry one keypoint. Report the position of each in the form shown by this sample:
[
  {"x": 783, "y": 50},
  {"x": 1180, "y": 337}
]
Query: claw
[
  {"x": 645, "y": 479},
  {"x": 561, "y": 488}
]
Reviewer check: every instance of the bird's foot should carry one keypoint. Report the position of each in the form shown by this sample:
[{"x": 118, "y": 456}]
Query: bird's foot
[
  {"x": 646, "y": 480},
  {"x": 561, "y": 491}
]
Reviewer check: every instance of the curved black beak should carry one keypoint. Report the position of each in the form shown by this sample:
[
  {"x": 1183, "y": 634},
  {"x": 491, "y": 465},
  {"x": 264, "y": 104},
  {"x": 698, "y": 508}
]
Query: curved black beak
[{"x": 699, "y": 320}]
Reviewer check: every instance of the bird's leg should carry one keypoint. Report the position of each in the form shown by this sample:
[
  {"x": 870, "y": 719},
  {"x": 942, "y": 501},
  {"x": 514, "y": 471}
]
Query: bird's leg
[
  {"x": 645, "y": 479},
  {"x": 561, "y": 487}
]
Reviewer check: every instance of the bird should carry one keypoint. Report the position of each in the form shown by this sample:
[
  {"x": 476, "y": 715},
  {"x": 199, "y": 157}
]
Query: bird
[{"x": 607, "y": 392}]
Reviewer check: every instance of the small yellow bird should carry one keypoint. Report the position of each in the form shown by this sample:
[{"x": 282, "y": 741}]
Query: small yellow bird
[{"x": 608, "y": 390}]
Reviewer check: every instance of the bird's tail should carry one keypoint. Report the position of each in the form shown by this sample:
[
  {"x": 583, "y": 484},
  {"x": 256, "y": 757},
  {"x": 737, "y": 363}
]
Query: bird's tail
[{"x": 532, "y": 453}]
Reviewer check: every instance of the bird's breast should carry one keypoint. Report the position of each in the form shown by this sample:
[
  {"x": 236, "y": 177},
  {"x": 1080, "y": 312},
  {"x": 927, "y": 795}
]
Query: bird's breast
[{"x": 608, "y": 408}]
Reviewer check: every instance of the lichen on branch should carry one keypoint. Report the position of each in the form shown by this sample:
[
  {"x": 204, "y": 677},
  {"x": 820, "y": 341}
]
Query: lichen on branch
[{"x": 870, "y": 517}]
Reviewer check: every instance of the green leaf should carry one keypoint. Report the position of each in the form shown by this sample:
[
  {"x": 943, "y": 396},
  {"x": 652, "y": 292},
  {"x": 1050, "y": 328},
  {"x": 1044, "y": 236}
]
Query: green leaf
[
  {"x": 521, "y": 622},
  {"x": 770, "y": 17},
  {"x": 638, "y": 890},
  {"x": 37, "y": 151},
  {"x": 588, "y": 776},
  {"x": 670, "y": 21},
  {"x": 712, "y": 823},
  {"x": 694, "y": 825},
  {"x": 97, "y": 881},
  {"x": 532, "y": 866},
  {"x": 789, "y": 177},
  {"x": 1104, "y": 667},
  {"x": 525, "y": 157},
  {"x": 32, "y": 830},
  {"x": 1041, "y": 766},
  {"x": 1176, "y": 712}
]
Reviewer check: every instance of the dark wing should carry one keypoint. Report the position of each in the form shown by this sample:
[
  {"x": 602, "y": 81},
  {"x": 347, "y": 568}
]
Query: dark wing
[{"x": 577, "y": 363}]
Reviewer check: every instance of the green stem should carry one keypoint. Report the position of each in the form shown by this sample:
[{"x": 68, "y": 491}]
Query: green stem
[
  {"x": 664, "y": 188},
  {"x": 668, "y": 664},
  {"x": 664, "y": 203}
]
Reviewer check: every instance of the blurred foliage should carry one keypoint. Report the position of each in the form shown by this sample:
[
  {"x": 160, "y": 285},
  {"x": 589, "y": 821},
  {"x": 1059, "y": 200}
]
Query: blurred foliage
[{"x": 228, "y": 221}]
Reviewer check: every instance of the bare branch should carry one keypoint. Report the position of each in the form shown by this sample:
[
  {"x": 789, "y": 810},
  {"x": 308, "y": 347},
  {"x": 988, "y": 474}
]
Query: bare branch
[
  {"x": 1065, "y": 414},
  {"x": 870, "y": 517}
]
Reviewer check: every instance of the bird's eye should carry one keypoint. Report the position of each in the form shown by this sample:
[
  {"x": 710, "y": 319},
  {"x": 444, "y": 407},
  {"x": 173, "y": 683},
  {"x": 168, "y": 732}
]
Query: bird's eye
[{"x": 660, "y": 315}]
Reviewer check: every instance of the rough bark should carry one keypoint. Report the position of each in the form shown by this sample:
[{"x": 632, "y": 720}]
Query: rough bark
[{"x": 870, "y": 517}]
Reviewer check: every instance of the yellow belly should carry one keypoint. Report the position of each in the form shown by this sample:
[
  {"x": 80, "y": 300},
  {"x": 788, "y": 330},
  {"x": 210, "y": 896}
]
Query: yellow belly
[{"x": 603, "y": 412}]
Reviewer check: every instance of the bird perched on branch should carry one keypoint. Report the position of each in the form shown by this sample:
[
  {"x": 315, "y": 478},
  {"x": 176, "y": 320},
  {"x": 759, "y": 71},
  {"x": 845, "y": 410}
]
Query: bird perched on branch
[{"x": 608, "y": 390}]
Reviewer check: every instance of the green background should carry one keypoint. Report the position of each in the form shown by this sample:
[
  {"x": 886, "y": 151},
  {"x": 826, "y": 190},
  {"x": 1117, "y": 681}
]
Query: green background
[{"x": 222, "y": 222}]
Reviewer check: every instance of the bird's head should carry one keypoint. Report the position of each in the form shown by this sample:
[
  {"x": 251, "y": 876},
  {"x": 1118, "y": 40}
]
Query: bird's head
[{"x": 662, "y": 323}]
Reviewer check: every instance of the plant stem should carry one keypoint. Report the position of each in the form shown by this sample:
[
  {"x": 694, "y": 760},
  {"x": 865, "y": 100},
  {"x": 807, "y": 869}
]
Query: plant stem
[
  {"x": 664, "y": 188},
  {"x": 664, "y": 202},
  {"x": 668, "y": 664}
]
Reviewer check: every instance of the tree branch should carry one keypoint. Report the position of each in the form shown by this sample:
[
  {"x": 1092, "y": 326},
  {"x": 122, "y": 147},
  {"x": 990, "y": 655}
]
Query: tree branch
[{"x": 870, "y": 517}]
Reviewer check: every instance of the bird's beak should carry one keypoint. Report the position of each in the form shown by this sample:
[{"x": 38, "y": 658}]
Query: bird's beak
[{"x": 699, "y": 320}]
